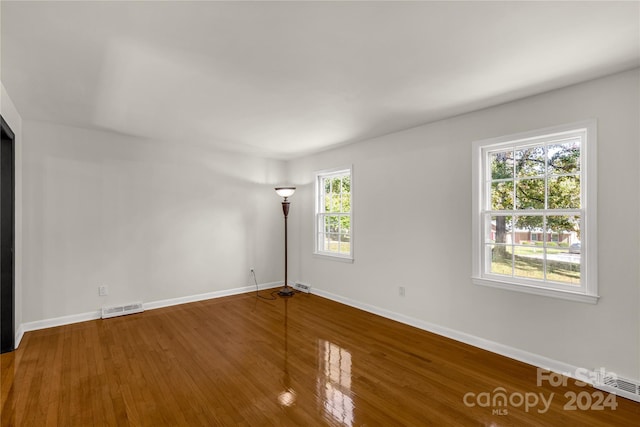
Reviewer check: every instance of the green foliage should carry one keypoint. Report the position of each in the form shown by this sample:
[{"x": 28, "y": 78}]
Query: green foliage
[
  {"x": 337, "y": 201},
  {"x": 518, "y": 182},
  {"x": 337, "y": 194}
]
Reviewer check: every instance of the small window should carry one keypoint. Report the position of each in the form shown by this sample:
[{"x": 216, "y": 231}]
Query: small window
[
  {"x": 334, "y": 228},
  {"x": 534, "y": 218}
]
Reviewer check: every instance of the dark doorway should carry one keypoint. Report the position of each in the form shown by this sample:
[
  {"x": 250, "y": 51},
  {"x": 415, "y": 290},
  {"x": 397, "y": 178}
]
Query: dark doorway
[{"x": 7, "y": 239}]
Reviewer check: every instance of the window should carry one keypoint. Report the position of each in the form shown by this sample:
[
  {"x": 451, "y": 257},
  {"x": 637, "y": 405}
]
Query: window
[
  {"x": 534, "y": 226},
  {"x": 333, "y": 214}
]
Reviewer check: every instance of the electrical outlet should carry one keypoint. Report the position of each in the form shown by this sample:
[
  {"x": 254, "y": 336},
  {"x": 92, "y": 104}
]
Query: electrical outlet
[
  {"x": 103, "y": 291},
  {"x": 401, "y": 290},
  {"x": 251, "y": 270}
]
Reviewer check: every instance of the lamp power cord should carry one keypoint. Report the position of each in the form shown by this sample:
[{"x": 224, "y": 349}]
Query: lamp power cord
[{"x": 272, "y": 297}]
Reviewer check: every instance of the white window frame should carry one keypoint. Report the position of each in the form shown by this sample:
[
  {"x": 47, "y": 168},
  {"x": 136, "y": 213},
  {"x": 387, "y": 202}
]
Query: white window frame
[
  {"x": 588, "y": 291},
  {"x": 319, "y": 203}
]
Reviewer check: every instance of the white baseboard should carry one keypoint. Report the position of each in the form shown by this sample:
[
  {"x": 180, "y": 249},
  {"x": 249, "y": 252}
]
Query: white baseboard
[
  {"x": 575, "y": 372},
  {"x": 83, "y": 317},
  {"x": 208, "y": 295},
  {"x": 59, "y": 321}
]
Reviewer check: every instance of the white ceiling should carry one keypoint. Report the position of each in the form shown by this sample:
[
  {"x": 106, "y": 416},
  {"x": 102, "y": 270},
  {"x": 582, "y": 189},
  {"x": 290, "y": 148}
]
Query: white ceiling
[{"x": 283, "y": 79}]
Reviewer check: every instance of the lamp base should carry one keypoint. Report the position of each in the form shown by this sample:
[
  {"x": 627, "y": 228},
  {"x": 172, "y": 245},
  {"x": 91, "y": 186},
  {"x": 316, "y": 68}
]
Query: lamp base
[{"x": 286, "y": 292}]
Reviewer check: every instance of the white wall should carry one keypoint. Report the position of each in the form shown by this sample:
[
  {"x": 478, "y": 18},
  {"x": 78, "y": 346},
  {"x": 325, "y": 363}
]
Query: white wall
[
  {"x": 13, "y": 119},
  {"x": 151, "y": 220},
  {"x": 156, "y": 220},
  {"x": 412, "y": 228}
]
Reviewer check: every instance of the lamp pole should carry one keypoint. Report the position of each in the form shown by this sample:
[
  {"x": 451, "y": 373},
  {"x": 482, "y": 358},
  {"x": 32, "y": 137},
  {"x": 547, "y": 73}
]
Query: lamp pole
[{"x": 285, "y": 192}]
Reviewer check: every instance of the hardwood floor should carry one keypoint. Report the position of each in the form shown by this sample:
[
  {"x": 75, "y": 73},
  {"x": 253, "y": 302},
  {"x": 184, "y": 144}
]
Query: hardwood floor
[{"x": 302, "y": 361}]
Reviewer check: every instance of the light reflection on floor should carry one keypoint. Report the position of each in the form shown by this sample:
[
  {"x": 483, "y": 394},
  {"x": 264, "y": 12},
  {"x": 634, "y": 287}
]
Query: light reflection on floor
[{"x": 334, "y": 381}]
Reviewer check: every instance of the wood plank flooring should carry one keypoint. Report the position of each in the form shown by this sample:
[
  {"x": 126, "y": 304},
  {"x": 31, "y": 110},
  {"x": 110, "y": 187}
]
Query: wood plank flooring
[{"x": 303, "y": 361}]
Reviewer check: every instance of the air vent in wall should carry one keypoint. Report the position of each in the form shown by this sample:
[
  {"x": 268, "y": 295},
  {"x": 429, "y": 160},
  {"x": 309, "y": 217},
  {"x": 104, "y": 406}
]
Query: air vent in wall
[
  {"x": 620, "y": 386},
  {"x": 121, "y": 310},
  {"x": 302, "y": 287}
]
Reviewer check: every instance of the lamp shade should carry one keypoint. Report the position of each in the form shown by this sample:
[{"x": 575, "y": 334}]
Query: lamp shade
[{"x": 285, "y": 191}]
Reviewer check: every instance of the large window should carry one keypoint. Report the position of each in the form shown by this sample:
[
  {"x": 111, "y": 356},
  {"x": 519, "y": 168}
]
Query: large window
[
  {"x": 334, "y": 233},
  {"x": 534, "y": 218}
]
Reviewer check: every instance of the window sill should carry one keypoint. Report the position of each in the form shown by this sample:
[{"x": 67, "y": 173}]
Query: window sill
[
  {"x": 554, "y": 293},
  {"x": 339, "y": 258}
]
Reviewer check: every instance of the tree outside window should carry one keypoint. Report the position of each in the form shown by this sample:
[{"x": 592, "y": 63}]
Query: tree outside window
[
  {"x": 532, "y": 223},
  {"x": 333, "y": 213},
  {"x": 529, "y": 183}
]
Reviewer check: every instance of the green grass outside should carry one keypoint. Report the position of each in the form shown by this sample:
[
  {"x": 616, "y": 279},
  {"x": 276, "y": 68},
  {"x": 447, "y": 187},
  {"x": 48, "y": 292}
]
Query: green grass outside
[
  {"x": 340, "y": 247},
  {"x": 532, "y": 268},
  {"x": 525, "y": 267}
]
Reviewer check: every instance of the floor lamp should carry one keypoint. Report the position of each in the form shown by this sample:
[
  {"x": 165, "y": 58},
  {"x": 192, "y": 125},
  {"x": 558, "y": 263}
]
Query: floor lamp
[{"x": 285, "y": 192}]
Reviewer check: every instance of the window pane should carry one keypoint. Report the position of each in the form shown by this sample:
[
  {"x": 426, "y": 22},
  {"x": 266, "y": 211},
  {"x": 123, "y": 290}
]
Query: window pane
[
  {"x": 335, "y": 185},
  {"x": 346, "y": 184},
  {"x": 335, "y": 224},
  {"x": 502, "y": 196},
  {"x": 564, "y": 192},
  {"x": 346, "y": 202},
  {"x": 501, "y": 165},
  {"x": 527, "y": 225},
  {"x": 500, "y": 230},
  {"x": 564, "y": 158},
  {"x": 530, "y": 194},
  {"x": 335, "y": 203},
  {"x": 529, "y": 262},
  {"x": 563, "y": 266},
  {"x": 501, "y": 260},
  {"x": 345, "y": 224},
  {"x": 563, "y": 249},
  {"x": 530, "y": 161},
  {"x": 345, "y": 244},
  {"x": 334, "y": 242},
  {"x": 562, "y": 230}
]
